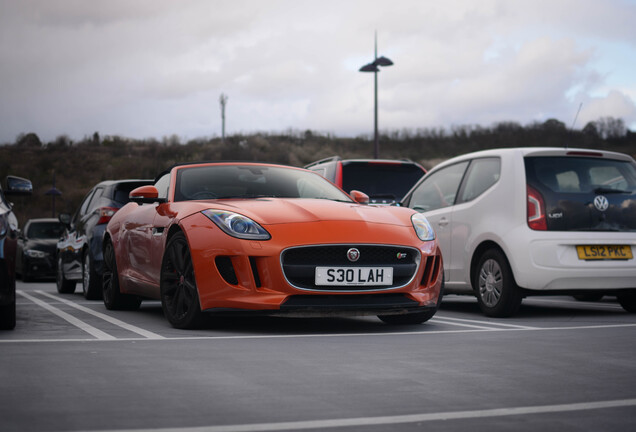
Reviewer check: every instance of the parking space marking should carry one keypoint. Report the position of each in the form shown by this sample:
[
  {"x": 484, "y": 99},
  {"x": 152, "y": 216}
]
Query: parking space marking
[
  {"x": 597, "y": 304},
  {"x": 451, "y": 323},
  {"x": 325, "y": 335},
  {"x": 398, "y": 419},
  {"x": 489, "y": 323},
  {"x": 93, "y": 331},
  {"x": 115, "y": 321}
]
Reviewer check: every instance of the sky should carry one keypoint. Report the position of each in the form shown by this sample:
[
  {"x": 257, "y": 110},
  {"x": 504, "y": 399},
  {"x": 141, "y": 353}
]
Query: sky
[{"x": 148, "y": 69}]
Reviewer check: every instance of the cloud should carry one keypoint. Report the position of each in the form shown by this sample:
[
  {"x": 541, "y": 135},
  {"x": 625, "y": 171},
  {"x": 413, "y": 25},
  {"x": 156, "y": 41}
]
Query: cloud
[{"x": 155, "y": 68}]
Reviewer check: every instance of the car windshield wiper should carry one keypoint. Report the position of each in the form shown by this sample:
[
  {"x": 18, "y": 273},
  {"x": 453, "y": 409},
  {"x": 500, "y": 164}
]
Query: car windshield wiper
[
  {"x": 247, "y": 196},
  {"x": 603, "y": 190}
]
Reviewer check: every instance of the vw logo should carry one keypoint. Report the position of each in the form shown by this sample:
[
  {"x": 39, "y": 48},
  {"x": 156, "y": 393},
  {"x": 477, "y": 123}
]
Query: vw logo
[
  {"x": 601, "y": 203},
  {"x": 353, "y": 254}
]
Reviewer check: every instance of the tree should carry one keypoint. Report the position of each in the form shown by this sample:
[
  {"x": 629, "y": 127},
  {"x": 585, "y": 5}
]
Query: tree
[{"x": 29, "y": 140}]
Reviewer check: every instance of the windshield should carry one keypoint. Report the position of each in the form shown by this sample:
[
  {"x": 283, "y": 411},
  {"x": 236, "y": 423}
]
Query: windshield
[
  {"x": 45, "y": 230},
  {"x": 252, "y": 181},
  {"x": 380, "y": 180}
]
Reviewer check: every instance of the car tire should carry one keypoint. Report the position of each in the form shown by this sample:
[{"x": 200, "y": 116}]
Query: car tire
[
  {"x": 591, "y": 297},
  {"x": 64, "y": 286},
  {"x": 417, "y": 317},
  {"x": 113, "y": 298},
  {"x": 7, "y": 316},
  {"x": 91, "y": 286},
  {"x": 497, "y": 292},
  {"x": 627, "y": 299},
  {"x": 408, "y": 319},
  {"x": 178, "y": 286}
]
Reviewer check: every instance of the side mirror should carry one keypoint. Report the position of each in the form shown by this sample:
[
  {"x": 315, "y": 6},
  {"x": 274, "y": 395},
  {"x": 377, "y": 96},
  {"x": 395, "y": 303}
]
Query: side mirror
[
  {"x": 18, "y": 186},
  {"x": 145, "y": 195},
  {"x": 65, "y": 219},
  {"x": 359, "y": 197}
]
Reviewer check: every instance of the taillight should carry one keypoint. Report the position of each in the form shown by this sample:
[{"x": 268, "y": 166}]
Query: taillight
[
  {"x": 105, "y": 214},
  {"x": 536, "y": 210}
]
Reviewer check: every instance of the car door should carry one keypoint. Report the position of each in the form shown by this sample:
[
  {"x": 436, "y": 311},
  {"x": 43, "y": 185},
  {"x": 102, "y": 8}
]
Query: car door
[
  {"x": 435, "y": 196},
  {"x": 74, "y": 238},
  {"x": 480, "y": 176}
]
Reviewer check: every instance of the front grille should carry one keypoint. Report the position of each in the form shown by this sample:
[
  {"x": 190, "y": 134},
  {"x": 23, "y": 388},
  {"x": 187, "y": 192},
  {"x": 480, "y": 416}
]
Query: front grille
[{"x": 299, "y": 264}]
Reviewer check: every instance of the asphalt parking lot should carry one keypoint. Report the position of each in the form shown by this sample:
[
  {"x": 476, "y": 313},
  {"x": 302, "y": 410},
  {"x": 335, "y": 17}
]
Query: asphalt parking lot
[{"x": 560, "y": 364}]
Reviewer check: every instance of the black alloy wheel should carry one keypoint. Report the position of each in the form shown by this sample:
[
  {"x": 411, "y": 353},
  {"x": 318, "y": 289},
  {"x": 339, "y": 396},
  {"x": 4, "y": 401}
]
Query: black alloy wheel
[
  {"x": 113, "y": 298},
  {"x": 179, "y": 293},
  {"x": 496, "y": 290},
  {"x": 417, "y": 317}
]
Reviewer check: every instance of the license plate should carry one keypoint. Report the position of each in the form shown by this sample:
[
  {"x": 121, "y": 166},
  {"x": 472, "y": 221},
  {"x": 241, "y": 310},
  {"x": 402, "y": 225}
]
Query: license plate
[
  {"x": 607, "y": 252},
  {"x": 359, "y": 276}
]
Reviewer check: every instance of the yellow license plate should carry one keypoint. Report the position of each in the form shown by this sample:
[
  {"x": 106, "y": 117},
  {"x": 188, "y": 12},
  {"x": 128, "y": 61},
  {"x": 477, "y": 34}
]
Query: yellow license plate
[{"x": 607, "y": 252}]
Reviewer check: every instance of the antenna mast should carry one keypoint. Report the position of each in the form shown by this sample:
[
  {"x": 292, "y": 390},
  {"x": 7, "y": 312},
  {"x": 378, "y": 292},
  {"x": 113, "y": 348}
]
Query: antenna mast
[{"x": 223, "y": 100}]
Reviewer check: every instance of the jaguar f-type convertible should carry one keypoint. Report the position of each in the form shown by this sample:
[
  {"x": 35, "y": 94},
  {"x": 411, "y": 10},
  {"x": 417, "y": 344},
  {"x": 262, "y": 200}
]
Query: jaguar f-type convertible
[{"x": 229, "y": 237}]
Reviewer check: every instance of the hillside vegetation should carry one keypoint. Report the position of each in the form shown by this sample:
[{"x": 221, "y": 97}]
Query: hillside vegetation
[{"x": 77, "y": 166}]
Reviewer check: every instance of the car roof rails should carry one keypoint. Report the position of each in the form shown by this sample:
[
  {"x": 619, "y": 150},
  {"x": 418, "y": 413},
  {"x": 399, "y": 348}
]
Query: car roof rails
[{"x": 328, "y": 159}]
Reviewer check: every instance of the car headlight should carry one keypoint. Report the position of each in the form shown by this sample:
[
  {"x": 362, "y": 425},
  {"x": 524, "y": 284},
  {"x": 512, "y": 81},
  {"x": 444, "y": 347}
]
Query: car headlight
[
  {"x": 32, "y": 253},
  {"x": 423, "y": 229},
  {"x": 237, "y": 225}
]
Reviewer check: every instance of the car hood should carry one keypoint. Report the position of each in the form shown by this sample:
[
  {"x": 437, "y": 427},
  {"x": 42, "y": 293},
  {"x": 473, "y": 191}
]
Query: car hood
[
  {"x": 271, "y": 211},
  {"x": 47, "y": 245}
]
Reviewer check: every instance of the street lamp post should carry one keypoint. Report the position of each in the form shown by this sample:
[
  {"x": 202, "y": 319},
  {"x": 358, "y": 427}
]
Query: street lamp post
[{"x": 374, "y": 67}]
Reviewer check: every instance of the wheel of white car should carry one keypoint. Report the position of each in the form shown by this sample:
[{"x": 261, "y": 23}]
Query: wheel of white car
[{"x": 496, "y": 290}]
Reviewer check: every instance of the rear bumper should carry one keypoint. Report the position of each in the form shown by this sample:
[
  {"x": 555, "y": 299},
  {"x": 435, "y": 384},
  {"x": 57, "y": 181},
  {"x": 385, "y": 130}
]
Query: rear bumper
[{"x": 553, "y": 263}]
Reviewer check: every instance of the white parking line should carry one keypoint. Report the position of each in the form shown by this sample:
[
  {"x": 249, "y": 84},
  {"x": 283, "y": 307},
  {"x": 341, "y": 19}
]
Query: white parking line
[
  {"x": 71, "y": 319},
  {"x": 115, "y": 321},
  {"x": 451, "y": 323},
  {"x": 489, "y": 323},
  {"x": 327, "y": 335},
  {"x": 400, "y": 419}
]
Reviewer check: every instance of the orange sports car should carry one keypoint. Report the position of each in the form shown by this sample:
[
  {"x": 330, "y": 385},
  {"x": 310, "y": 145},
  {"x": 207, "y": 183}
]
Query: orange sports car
[{"x": 230, "y": 237}]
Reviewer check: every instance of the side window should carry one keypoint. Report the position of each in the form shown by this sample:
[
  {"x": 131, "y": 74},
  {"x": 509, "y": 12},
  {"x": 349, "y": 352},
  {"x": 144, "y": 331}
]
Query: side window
[
  {"x": 482, "y": 174},
  {"x": 438, "y": 189},
  {"x": 162, "y": 186},
  {"x": 84, "y": 206},
  {"x": 94, "y": 199}
]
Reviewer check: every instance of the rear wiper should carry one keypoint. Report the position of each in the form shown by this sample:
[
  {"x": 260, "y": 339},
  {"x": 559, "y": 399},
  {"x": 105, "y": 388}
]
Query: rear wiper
[{"x": 602, "y": 190}]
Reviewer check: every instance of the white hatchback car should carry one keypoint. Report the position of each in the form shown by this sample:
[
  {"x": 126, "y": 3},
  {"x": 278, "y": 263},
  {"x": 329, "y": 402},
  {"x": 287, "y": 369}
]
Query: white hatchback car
[{"x": 533, "y": 221}]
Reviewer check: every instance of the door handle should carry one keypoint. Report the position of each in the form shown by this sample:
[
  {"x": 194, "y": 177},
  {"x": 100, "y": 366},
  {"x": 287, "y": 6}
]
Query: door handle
[{"x": 442, "y": 222}]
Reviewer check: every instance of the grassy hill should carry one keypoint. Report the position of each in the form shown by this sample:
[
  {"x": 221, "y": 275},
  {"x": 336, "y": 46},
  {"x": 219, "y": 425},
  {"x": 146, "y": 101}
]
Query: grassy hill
[{"x": 77, "y": 166}]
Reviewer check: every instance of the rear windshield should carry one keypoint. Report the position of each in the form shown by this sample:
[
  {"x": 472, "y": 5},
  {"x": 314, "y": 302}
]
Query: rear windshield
[
  {"x": 569, "y": 186},
  {"x": 581, "y": 175},
  {"x": 382, "y": 182}
]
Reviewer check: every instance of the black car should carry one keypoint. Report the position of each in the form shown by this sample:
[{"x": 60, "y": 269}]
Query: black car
[
  {"x": 37, "y": 245},
  {"x": 386, "y": 181},
  {"x": 79, "y": 251},
  {"x": 8, "y": 244}
]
